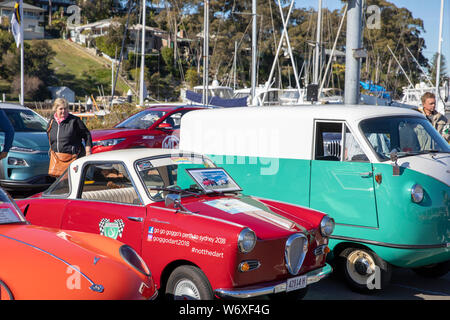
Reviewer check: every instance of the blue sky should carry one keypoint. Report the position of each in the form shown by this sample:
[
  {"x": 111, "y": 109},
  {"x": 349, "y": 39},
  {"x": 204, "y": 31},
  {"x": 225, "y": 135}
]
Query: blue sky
[{"x": 428, "y": 11}]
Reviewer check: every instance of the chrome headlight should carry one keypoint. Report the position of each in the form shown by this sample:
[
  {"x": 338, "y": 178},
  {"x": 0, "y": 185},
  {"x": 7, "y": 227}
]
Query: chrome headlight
[
  {"x": 417, "y": 193},
  {"x": 134, "y": 260},
  {"x": 246, "y": 240},
  {"x": 107, "y": 143},
  {"x": 327, "y": 226}
]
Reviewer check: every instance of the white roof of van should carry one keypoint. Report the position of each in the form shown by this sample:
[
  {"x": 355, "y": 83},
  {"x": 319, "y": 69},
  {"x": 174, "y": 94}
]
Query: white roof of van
[
  {"x": 280, "y": 131},
  {"x": 327, "y": 111}
]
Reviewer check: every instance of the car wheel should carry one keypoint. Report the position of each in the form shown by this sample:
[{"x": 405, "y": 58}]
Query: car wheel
[
  {"x": 363, "y": 270},
  {"x": 434, "y": 270},
  {"x": 188, "y": 283},
  {"x": 291, "y": 296}
]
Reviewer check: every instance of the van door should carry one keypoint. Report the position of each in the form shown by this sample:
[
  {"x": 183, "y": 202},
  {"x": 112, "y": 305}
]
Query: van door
[{"x": 342, "y": 183}]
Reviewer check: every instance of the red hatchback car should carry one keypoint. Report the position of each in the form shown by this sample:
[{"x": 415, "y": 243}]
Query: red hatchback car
[{"x": 154, "y": 127}]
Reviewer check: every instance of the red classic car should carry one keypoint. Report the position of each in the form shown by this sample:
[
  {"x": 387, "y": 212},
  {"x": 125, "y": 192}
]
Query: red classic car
[
  {"x": 199, "y": 241},
  {"x": 43, "y": 263},
  {"x": 154, "y": 127}
]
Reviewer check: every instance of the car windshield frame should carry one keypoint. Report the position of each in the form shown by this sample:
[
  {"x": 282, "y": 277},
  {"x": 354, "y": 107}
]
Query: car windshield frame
[
  {"x": 5, "y": 198},
  {"x": 133, "y": 121},
  {"x": 208, "y": 163},
  {"x": 408, "y": 122},
  {"x": 17, "y": 117}
]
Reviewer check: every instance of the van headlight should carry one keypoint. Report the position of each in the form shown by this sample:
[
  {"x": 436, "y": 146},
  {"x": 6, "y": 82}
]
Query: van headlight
[
  {"x": 134, "y": 260},
  {"x": 246, "y": 240},
  {"x": 327, "y": 226},
  {"x": 417, "y": 193}
]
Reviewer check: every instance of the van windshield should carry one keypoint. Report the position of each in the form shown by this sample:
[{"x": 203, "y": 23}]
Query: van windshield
[{"x": 405, "y": 135}]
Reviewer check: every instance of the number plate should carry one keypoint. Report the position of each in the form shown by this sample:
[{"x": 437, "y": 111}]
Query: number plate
[{"x": 295, "y": 283}]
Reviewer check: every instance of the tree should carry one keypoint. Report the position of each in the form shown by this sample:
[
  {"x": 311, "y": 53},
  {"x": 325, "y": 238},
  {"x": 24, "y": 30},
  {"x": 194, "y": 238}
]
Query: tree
[
  {"x": 401, "y": 32},
  {"x": 433, "y": 68},
  {"x": 95, "y": 10}
]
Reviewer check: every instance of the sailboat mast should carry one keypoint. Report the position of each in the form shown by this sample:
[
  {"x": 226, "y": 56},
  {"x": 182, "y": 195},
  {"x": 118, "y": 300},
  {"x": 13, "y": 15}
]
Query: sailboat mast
[
  {"x": 317, "y": 52},
  {"x": 206, "y": 53},
  {"x": 254, "y": 51},
  {"x": 440, "y": 106}
]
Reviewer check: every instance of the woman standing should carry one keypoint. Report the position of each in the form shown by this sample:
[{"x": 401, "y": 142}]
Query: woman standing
[{"x": 67, "y": 132}]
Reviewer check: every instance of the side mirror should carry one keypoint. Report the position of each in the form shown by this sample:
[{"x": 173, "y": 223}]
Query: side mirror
[
  {"x": 165, "y": 126},
  {"x": 173, "y": 201},
  {"x": 395, "y": 167}
]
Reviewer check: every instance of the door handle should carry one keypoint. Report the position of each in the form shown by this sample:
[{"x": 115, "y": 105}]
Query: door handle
[
  {"x": 137, "y": 219},
  {"x": 366, "y": 174}
]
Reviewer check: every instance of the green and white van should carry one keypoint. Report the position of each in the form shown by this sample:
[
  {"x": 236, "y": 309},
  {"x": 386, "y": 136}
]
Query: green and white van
[{"x": 383, "y": 174}]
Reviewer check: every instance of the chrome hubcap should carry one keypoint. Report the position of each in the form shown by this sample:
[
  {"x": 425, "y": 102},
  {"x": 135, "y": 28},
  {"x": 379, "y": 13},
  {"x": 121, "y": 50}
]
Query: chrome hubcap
[
  {"x": 186, "y": 290},
  {"x": 360, "y": 265}
]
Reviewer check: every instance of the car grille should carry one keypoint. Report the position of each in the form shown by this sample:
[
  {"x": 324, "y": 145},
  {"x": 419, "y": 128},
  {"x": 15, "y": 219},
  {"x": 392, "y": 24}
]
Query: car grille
[{"x": 295, "y": 252}]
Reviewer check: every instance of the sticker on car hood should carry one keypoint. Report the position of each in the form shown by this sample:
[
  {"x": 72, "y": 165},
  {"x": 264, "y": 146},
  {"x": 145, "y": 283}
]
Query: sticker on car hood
[{"x": 234, "y": 206}]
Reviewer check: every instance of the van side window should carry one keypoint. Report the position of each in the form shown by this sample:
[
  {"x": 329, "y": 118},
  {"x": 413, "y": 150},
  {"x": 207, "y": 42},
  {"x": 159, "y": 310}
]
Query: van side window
[
  {"x": 328, "y": 141},
  {"x": 353, "y": 151}
]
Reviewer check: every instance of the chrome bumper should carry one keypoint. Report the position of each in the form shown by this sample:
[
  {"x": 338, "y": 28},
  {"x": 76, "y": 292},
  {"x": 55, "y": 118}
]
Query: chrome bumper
[{"x": 277, "y": 287}]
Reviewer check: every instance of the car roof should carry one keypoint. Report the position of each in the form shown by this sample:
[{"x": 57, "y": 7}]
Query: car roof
[
  {"x": 173, "y": 107},
  {"x": 12, "y": 106},
  {"x": 132, "y": 154}
]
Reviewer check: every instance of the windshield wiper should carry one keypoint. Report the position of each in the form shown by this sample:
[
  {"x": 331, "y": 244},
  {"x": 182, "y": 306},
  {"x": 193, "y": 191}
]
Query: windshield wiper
[{"x": 175, "y": 190}]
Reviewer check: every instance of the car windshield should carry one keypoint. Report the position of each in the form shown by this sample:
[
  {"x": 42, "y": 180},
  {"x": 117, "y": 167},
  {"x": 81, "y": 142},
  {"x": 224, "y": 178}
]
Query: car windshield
[
  {"x": 142, "y": 120},
  {"x": 405, "y": 135},
  {"x": 162, "y": 174},
  {"x": 24, "y": 120},
  {"x": 9, "y": 212}
]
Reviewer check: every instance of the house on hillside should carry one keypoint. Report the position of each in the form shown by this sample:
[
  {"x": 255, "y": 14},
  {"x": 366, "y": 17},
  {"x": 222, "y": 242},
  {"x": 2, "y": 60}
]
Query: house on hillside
[
  {"x": 155, "y": 38},
  {"x": 33, "y": 19},
  {"x": 56, "y": 5}
]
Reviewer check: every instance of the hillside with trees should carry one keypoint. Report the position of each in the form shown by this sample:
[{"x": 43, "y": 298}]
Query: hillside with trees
[{"x": 179, "y": 66}]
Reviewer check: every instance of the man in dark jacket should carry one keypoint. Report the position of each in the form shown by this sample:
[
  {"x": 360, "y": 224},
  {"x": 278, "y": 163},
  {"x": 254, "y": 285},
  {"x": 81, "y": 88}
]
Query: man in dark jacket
[{"x": 438, "y": 120}]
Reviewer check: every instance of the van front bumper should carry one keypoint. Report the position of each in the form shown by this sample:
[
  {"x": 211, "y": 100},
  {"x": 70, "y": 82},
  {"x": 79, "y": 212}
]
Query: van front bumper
[{"x": 272, "y": 288}]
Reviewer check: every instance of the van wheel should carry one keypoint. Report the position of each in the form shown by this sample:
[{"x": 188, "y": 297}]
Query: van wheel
[
  {"x": 188, "y": 283},
  {"x": 359, "y": 268},
  {"x": 434, "y": 270}
]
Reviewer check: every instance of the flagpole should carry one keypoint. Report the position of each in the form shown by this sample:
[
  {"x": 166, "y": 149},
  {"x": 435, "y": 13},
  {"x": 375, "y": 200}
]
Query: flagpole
[{"x": 22, "y": 97}]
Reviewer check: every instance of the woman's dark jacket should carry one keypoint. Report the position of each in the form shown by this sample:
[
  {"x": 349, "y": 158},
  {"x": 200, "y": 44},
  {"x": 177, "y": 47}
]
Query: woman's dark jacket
[{"x": 68, "y": 136}]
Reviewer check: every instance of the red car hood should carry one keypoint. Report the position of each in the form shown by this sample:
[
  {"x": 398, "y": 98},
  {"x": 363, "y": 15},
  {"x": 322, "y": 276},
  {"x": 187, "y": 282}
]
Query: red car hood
[
  {"x": 268, "y": 221},
  {"x": 114, "y": 133}
]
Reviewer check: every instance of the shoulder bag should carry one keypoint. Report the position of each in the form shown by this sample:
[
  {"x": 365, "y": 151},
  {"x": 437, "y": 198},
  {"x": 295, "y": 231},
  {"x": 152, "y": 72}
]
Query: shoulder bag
[{"x": 59, "y": 161}]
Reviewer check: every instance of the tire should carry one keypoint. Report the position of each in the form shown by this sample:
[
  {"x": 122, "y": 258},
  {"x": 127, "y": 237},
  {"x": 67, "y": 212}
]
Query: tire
[
  {"x": 434, "y": 270},
  {"x": 291, "y": 296},
  {"x": 358, "y": 267},
  {"x": 188, "y": 283}
]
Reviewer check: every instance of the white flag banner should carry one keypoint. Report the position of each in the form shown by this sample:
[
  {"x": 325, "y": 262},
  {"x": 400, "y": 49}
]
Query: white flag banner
[{"x": 15, "y": 24}]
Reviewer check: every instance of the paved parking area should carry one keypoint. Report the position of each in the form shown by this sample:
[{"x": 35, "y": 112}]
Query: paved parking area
[{"x": 405, "y": 285}]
